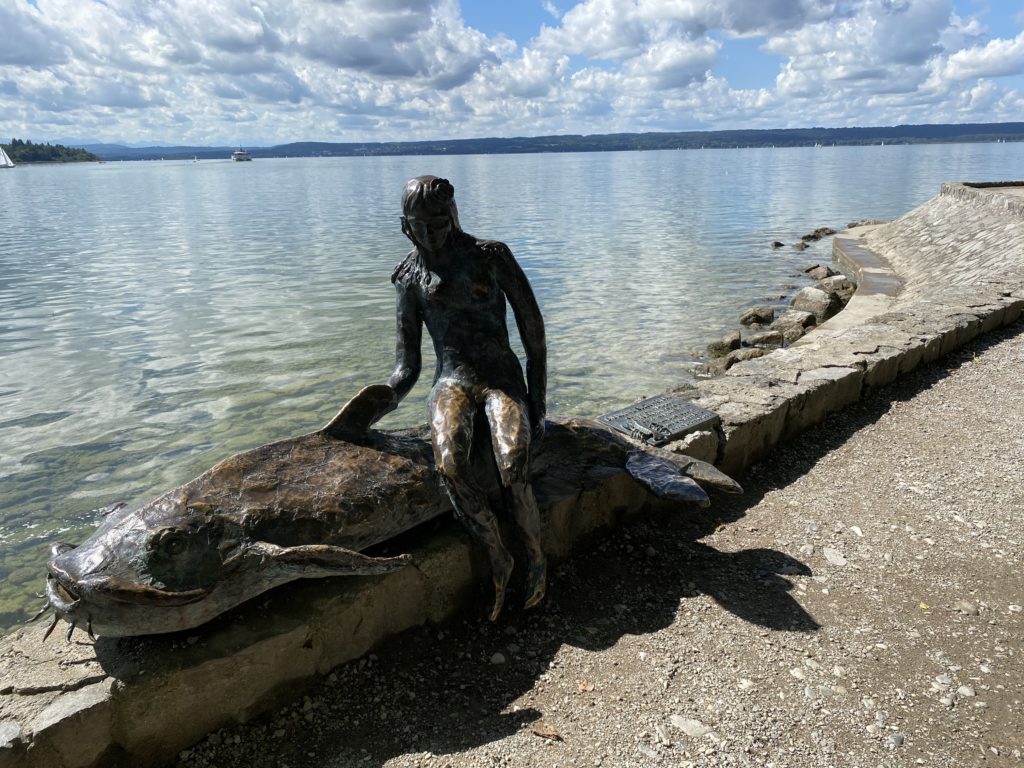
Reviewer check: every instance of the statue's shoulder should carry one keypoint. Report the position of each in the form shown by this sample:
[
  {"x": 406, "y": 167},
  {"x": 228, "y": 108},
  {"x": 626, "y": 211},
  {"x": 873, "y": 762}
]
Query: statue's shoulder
[
  {"x": 494, "y": 248},
  {"x": 409, "y": 271}
]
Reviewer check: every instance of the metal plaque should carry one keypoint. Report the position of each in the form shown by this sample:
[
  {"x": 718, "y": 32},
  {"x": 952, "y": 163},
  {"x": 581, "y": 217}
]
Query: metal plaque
[{"x": 660, "y": 419}]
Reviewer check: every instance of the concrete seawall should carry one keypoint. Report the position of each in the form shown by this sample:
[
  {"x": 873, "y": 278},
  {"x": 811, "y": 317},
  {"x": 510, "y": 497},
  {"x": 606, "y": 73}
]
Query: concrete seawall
[{"x": 929, "y": 282}]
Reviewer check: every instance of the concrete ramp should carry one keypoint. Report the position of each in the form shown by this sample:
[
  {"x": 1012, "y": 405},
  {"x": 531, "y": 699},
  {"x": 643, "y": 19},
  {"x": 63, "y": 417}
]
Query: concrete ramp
[{"x": 969, "y": 235}]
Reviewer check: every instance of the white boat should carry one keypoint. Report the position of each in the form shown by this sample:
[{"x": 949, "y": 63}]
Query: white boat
[
  {"x": 5, "y": 159},
  {"x": 241, "y": 155}
]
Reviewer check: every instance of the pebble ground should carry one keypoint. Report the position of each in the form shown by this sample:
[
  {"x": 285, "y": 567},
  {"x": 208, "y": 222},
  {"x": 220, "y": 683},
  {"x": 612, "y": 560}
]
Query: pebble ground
[{"x": 859, "y": 605}]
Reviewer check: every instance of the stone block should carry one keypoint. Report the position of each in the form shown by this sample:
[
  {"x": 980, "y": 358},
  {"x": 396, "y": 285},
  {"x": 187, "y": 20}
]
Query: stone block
[
  {"x": 883, "y": 366},
  {"x": 445, "y": 566},
  {"x": 931, "y": 349},
  {"x": 992, "y": 319},
  {"x": 76, "y": 729},
  {"x": 702, "y": 445},
  {"x": 824, "y": 390},
  {"x": 959, "y": 330},
  {"x": 751, "y": 431},
  {"x": 158, "y": 713},
  {"x": 1014, "y": 307},
  {"x": 816, "y": 301}
]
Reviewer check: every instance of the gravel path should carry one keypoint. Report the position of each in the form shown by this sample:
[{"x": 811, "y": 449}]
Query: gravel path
[{"x": 859, "y": 605}]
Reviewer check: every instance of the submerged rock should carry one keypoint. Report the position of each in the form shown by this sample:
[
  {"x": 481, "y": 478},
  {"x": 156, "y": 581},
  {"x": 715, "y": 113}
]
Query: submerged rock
[
  {"x": 725, "y": 345},
  {"x": 760, "y": 315},
  {"x": 817, "y": 234},
  {"x": 819, "y": 271},
  {"x": 840, "y": 285}
]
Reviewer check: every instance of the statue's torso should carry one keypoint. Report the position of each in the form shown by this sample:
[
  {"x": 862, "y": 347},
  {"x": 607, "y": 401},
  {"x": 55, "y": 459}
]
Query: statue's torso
[{"x": 464, "y": 309}]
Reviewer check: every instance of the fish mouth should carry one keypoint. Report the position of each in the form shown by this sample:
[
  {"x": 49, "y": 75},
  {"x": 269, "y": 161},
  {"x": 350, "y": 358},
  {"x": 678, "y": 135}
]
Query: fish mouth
[
  {"x": 66, "y": 593},
  {"x": 62, "y": 596}
]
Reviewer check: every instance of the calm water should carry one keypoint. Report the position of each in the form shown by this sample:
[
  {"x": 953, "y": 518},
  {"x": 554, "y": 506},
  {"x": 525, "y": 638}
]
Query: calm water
[{"x": 156, "y": 317}]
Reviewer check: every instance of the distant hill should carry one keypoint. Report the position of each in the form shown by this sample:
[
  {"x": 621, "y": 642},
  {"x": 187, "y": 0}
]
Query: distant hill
[
  {"x": 121, "y": 152},
  {"x": 613, "y": 142},
  {"x": 27, "y": 152}
]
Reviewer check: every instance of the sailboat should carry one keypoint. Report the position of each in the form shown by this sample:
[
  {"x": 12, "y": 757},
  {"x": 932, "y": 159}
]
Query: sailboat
[{"x": 5, "y": 159}]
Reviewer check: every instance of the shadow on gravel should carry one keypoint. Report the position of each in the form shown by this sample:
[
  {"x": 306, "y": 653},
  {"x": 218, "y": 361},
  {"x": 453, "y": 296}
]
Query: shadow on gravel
[{"x": 442, "y": 689}]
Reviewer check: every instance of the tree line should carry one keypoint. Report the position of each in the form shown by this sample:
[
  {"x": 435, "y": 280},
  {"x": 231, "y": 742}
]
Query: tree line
[{"x": 27, "y": 152}]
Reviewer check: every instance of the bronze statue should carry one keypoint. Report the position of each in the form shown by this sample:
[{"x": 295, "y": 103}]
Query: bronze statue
[
  {"x": 458, "y": 285},
  {"x": 304, "y": 507}
]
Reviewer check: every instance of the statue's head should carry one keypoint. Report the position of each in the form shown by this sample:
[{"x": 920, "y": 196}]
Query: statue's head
[{"x": 429, "y": 214}]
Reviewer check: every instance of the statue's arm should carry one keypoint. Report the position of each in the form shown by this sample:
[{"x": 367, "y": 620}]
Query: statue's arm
[
  {"x": 373, "y": 402},
  {"x": 408, "y": 358},
  {"x": 520, "y": 296}
]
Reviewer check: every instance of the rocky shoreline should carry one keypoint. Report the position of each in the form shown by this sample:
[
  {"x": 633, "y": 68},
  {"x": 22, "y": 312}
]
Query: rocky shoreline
[{"x": 764, "y": 328}]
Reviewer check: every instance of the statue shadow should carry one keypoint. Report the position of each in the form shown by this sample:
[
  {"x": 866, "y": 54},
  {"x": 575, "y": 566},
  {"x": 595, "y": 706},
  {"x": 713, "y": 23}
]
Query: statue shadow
[{"x": 442, "y": 689}]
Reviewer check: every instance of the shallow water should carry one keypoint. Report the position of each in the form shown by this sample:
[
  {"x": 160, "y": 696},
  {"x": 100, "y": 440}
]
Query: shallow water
[{"x": 158, "y": 316}]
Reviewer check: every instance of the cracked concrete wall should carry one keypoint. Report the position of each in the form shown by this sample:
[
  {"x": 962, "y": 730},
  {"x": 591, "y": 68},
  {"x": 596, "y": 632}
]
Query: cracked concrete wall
[{"x": 929, "y": 283}]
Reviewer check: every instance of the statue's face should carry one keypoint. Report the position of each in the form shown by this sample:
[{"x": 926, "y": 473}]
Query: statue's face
[{"x": 431, "y": 229}]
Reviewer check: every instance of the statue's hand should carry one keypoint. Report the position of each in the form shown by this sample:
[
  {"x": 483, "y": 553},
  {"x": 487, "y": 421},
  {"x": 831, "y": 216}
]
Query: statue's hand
[
  {"x": 367, "y": 407},
  {"x": 537, "y": 416}
]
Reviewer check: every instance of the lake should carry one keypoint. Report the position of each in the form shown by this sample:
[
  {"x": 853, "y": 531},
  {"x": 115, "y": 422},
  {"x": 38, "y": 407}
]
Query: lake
[{"x": 157, "y": 316}]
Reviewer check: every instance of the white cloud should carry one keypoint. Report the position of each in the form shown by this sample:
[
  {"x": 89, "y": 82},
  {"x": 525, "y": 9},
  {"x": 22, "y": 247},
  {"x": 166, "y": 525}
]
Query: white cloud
[
  {"x": 674, "y": 63},
  {"x": 995, "y": 59},
  {"x": 28, "y": 40},
  {"x": 551, "y": 9},
  {"x": 260, "y": 72}
]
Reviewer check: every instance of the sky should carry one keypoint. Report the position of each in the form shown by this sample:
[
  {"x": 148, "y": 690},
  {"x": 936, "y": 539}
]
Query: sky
[{"x": 265, "y": 72}]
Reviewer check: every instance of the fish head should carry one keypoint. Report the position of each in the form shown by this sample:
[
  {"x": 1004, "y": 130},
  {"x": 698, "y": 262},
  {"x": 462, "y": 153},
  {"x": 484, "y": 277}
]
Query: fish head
[
  {"x": 175, "y": 564},
  {"x": 144, "y": 571}
]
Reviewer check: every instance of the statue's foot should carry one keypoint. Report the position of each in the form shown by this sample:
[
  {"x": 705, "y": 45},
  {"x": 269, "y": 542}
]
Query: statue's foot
[
  {"x": 536, "y": 583},
  {"x": 499, "y": 603},
  {"x": 502, "y": 575}
]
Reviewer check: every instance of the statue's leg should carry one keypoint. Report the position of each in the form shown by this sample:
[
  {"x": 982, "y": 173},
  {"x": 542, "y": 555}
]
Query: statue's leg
[
  {"x": 452, "y": 411},
  {"x": 510, "y": 439}
]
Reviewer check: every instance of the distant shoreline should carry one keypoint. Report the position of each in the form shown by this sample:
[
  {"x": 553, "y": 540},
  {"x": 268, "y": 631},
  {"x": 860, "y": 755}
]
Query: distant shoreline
[{"x": 617, "y": 142}]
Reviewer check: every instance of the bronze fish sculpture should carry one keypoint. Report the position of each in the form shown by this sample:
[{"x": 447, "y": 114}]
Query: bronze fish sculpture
[{"x": 304, "y": 507}]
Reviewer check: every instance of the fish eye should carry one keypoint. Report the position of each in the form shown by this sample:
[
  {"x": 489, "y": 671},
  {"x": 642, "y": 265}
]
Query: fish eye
[
  {"x": 182, "y": 557},
  {"x": 174, "y": 545},
  {"x": 171, "y": 541}
]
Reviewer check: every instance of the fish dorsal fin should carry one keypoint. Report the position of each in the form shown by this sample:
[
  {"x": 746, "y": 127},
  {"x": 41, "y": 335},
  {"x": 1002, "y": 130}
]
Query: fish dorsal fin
[{"x": 369, "y": 404}]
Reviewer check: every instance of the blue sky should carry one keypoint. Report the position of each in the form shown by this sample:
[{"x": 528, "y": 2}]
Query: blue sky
[{"x": 260, "y": 72}]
